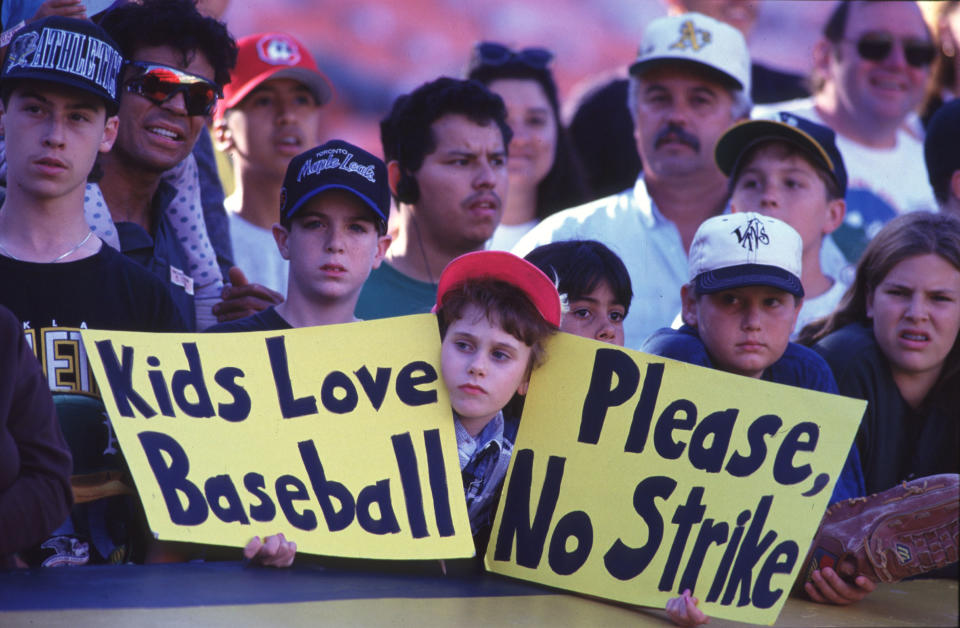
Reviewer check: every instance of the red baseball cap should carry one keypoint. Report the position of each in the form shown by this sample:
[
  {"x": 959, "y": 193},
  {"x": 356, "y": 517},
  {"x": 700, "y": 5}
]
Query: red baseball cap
[
  {"x": 266, "y": 56},
  {"x": 508, "y": 268}
]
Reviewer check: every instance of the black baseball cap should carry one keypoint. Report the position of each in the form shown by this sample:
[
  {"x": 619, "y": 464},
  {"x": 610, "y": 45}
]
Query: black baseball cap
[
  {"x": 336, "y": 165},
  {"x": 815, "y": 140},
  {"x": 68, "y": 51}
]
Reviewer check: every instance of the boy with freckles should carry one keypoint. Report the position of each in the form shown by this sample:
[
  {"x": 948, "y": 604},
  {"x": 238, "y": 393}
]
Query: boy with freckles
[
  {"x": 496, "y": 312},
  {"x": 332, "y": 229}
]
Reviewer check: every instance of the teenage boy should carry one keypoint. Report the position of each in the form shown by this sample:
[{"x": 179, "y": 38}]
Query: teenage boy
[
  {"x": 334, "y": 206},
  {"x": 789, "y": 168},
  {"x": 739, "y": 309},
  {"x": 495, "y": 312},
  {"x": 270, "y": 112},
  {"x": 445, "y": 145},
  {"x": 57, "y": 277}
]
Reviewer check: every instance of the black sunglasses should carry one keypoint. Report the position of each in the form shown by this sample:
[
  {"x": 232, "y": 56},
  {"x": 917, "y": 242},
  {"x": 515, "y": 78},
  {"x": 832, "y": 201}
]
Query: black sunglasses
[
  {"x": 878, "y": 46},
  {"x": 159, "y": 83},
  {"x": 491, "y": 53}
]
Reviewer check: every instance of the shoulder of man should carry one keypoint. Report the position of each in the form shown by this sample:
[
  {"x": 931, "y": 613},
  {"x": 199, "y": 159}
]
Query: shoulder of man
[{"x": 596, "y": 220}]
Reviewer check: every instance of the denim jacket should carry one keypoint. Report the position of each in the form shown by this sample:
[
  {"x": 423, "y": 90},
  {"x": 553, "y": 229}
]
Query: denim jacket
[{"x": 483, "y": 464}]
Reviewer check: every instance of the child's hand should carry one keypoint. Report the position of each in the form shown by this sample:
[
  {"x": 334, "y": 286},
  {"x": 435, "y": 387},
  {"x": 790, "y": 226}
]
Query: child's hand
[
  {"x": 683, "y": 611},
  {"x": 827, "y": 587},
  {"x": 272, "y": 551},
  {"x": 63, "y": 8}
]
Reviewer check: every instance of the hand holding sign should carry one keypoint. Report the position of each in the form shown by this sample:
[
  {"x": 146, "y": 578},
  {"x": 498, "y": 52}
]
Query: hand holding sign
[{"x": 712, "y": 483}]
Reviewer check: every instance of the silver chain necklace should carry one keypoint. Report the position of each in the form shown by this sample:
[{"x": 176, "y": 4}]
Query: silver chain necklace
[{"x": 56, "y": 259}]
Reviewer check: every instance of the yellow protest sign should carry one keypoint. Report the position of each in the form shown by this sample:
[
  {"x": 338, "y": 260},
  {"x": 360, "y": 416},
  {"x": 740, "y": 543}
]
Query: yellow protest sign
[
  {"x": 341, "y": 437},
  {"x": 635, "y": 477}
]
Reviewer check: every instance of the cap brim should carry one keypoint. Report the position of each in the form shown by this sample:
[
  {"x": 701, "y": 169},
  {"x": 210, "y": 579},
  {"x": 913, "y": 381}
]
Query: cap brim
[
  {"x": 643, "y": 65},
  {"x": 742, "y": 136},
  {"x": 337, "y": 186},
  {"x": 508, "y": 268},
  {"x": 56, "y": 77},
  {"x": 743, "y": 275},
  {"x": 316, "y": 81}
]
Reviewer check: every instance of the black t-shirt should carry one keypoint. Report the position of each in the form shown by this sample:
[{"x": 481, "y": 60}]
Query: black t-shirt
[
  {"x": 103, "y": 291},
  {"x": 896, "y": 442},
  {"x": 267, "y": 320}
]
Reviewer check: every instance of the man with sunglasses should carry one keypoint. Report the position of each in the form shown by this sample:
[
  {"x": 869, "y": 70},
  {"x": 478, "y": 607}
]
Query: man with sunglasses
[
  {"x": 871, "y": 68},
  {"x": 445, "y": 145},
  {"x": 690, "y": 82},
  {"x": 271, "y": 112},
  {"x": 178, "y": 61}
]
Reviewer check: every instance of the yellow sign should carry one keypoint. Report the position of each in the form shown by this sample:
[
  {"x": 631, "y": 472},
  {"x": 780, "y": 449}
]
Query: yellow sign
[
  {"x": 341, "y": 437},
  {"x": 636, "y": 477}
]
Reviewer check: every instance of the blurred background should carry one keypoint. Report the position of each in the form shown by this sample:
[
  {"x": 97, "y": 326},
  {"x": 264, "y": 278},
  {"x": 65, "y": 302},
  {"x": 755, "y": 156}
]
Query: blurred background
[{"x": 374, "y": 50}]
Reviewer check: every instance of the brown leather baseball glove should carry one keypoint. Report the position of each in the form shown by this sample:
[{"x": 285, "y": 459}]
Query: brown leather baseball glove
[{"x": 904, "y": 531}]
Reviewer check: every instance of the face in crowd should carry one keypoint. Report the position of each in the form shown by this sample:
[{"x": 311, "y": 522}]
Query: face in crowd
[
  {"x": 462, "y": 183},
  {"x": 680, "y": 114},
  {"x": 880, "y": 67}
]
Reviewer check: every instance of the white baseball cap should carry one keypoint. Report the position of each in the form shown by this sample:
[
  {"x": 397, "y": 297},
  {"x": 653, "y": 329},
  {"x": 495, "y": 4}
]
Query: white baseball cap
[
  {"x": 748, "y": 249},
  {"x": 697, "y": 39}
]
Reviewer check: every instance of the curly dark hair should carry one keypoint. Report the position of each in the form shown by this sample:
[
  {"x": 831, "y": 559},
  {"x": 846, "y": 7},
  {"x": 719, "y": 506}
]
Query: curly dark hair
[
  {"x": 174, "y": 23},
  {"x": 407, "y": 133}
]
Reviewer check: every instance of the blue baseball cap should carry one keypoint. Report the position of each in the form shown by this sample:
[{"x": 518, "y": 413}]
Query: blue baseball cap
[
  {"x": 816, "y": 141},
  {"x": 336, "y": 165}
]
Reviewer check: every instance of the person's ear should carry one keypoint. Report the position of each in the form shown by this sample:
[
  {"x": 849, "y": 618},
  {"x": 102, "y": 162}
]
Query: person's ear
[
  {"x": 797, "y": 306},
  {"x": 109, "y": 134},
  {"x": 222, "y": 135},
  {"x": 822, "y": 51},
  {"x": 836, "y": 211},
  {"x": 524, "y": 386},
  {"x": 281, "y": 235},
  {"x": 383, "y": 243},
  {"x": 394, "y": 174},
  {"x": 688, "y": 301},
  {"x": 955, "y": 185}
]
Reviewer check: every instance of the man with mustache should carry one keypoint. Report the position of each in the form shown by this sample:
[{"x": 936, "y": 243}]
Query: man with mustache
[
  {"x": 690, "y": 82},
  {"x": 270, "y": 112},
  {"x": 445, "y": 145}
]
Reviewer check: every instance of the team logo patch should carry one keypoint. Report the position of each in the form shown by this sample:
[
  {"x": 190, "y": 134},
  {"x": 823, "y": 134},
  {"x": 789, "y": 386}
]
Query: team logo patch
[
  {"x": 22, "y": 47},
  {"x": 903, "y": 554},
  {"x": 335, "y": 158},
  {"x": 278, "y": 50},
  {"x": 752, "y": 235},
  {"x": 691, "y": 37}
]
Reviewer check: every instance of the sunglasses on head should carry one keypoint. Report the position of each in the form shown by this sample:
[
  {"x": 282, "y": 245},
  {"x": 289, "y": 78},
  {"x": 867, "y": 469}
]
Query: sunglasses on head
[
  {"x": 490, "y": 53},
  {"x": 879, "y": 46},
  {"x": 159, "y": 83}
]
